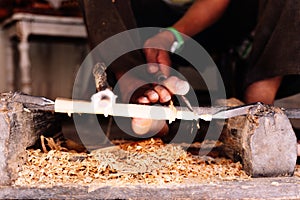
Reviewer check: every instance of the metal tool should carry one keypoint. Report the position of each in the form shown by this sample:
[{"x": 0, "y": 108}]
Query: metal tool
[
  {"x": 235, "y": 111},
  {"x": 229, "y": 112},
  {"x": 34, "y": 100},
  {"x": 292, "y": 113}
]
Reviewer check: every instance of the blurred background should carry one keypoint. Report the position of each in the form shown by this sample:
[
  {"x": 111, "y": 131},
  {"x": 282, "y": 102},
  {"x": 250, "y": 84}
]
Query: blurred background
[{"x": 54, "y": 59}]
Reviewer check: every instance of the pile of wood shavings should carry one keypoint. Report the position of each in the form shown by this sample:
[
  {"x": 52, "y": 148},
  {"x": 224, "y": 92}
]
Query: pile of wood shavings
[
  {"x": 141, "y": 157},
  {"x": 99, "y": 167}
]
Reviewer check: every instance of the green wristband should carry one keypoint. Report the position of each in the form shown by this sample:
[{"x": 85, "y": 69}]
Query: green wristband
[{"x": 178, "y": 44}]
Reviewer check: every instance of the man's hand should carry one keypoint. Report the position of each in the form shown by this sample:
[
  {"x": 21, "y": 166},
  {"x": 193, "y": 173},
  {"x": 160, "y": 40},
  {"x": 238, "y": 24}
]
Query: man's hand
[
  {"x": 158, "y": 94},
  {"x": 156, "y": 50},
  {"x": 153, "y": 94}
]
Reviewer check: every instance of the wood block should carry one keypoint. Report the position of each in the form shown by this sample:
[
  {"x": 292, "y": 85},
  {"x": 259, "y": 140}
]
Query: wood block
[
  {"x": 264, "y": 141},
  {"x": 20, "y": 128}
]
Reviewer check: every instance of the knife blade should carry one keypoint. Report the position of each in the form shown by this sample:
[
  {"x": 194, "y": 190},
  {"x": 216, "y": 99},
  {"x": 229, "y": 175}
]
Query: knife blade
[
  {"x": 292, "y": 113},
  {"x": 235, "y": 111}
]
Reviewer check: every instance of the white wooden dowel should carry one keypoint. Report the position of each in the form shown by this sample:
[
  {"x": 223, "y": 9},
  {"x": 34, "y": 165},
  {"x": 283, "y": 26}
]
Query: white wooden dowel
[{"x": 124, "y": 110}]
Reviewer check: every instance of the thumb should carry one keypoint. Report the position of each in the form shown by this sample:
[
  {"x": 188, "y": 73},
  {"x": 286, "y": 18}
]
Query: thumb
[
  {"x": 176, "y": 85},
  {"x": 149, "y": 126}
]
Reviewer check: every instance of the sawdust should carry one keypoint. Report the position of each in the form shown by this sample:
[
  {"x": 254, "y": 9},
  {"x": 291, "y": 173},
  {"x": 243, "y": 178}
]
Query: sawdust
[
  {"x": 145, "y": 162},
  {"x": 137, "y": 158}
]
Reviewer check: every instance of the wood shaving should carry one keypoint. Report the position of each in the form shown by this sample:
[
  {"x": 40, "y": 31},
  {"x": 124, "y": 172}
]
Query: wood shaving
[
  {"x": 51, "y": 144},
  {"x": 173, "y": 112},
  {"x": 145, "y": 162},
  {"x": 140, "y": 157}
]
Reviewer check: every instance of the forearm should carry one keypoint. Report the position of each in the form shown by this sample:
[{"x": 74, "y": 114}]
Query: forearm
[{"x": 201, "y": 15}]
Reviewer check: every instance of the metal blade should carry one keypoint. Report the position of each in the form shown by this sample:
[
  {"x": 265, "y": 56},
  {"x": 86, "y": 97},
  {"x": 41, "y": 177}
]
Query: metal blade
[
  {"x": 292, "y": 113},
  {"x": 34, "y": 102},
  {"x": 28, "y": 99},
  {"x": 234, "y": 111},
  {"x": 187, "y": 103}
]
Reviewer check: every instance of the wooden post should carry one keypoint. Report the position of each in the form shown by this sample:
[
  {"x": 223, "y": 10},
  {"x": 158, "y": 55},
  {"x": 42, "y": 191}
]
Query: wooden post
[
  {"x": 20, "y": 127},
  {"x": 264, "y": 141}
]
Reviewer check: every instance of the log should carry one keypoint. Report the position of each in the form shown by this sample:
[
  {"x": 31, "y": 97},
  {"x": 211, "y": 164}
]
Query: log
[
  {"x": 264, "y": 141},
  {"x": 20, "y": 126}
]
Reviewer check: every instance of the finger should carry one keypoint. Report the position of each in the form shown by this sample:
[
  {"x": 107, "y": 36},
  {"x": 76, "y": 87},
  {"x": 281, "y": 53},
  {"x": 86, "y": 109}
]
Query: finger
[
  {"x": 151, "y": 57},
  {"x": 164, "y": 94},
  {"x": 158, "y": 60},
  {"x": 152, "y": 96},
  {"x": 160, "y": 63},
  {"x": 143, "y": 100},
  {"x": 148, "y": 126},
  {"x": 163, "y": 58},
  {"x": 176, "y": 85}
]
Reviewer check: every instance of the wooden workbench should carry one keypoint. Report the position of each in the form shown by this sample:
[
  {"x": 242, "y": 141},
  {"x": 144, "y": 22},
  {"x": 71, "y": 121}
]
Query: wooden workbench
[{"x": 259, "y": 188}]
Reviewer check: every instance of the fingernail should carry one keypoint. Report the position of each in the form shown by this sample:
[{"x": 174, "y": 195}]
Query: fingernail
[
  {"x": 143, "y": 100},
  {"x": 182, "y": 87},
  {"x": 152, "y": 95},
  {"x": 165, "y": 98}
]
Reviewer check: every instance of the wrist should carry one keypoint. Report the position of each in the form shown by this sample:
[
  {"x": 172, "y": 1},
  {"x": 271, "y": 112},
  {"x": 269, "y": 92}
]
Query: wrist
[{"x": 178, "y": 41}]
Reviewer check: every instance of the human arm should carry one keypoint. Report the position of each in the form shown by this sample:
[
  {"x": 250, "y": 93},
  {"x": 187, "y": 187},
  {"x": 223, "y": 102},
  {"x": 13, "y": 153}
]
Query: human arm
[{"x": 201, "y": 15}]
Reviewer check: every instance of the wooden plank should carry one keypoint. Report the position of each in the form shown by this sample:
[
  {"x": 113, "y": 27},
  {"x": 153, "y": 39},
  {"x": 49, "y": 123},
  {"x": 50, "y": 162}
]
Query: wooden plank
[{"x": 259, "y": 188}]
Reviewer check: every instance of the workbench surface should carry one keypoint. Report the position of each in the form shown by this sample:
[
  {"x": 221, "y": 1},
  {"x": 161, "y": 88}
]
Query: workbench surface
[{"x": 258, "y": 188}]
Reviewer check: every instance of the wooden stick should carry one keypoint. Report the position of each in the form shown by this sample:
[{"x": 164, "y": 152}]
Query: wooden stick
[{"x": 124, "y": 110}]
